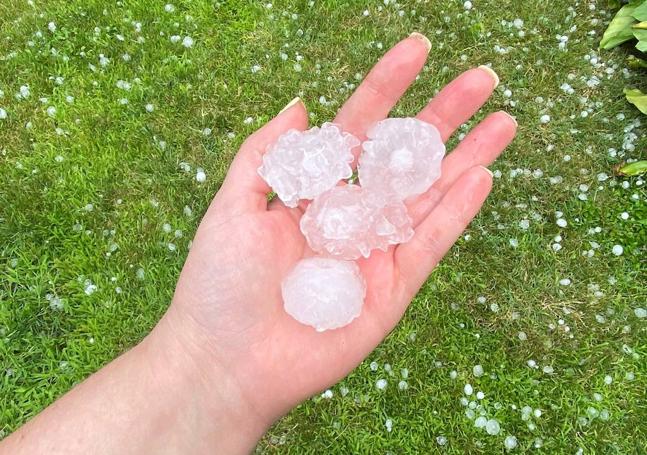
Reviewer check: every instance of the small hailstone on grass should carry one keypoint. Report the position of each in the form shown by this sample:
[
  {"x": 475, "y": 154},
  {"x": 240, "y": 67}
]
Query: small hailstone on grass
[
  {"x": 404, "y": 372},
  {"x": 514, "y": 243},
  {"x": 640, "y": 313},
  {"x": 492, "y": 427},
  {"x": 480, "y": 422},
  {"x": 608, "y": 380},
  {"x": 531, "y": 363},
  {"x": 169, "y": 8},
  {"x": 167, "y": 227},
  {"x": 403, "y": 385},
  {"x": 175, "y": 39},
  {"x": 389, "y": 425},
  {"x": 200, "y": 176},
  {"x": 548, "y": 369},
  {"x": 468, "y": 389},
  {"x": 544, "y": 119},
  {"x": 206, "y": 132},
  {"x": 187, "y": 42},
  {"x": 149, "y": 108},
  {"x": 453, "y": 374},
  {"x": 510, "y": 442},
  {"x": 3, "y": 114},
  {"x": 51, "y": 111},
  {"x": 480, "y": 395},
  {"x": 381, "y": 384},
  {"x": 477, "y": 371},
  {"x": 327, "y": 394},
  {"x": 51, "y": 27},
  {"x": 617, "y": 250},
  {"x": 524, "y": 224},
  {"x": 522, "y": 336},
  {"x": 373, "y": 366},
  {"x": 467, "y": 5},
  {"x": 565, "y": 281},
  {"x": 441, "y": 440},
  {"x": 561, "y": 222}
]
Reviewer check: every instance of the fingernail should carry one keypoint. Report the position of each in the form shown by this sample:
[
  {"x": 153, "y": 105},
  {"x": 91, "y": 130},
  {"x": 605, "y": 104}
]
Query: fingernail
[
  {"x": 487, "y": 170},
  {"x": 510, "y": 117},
  {"x": 491, "y": 72},
  {"x": 290, "y": 104},
  {"x": 423, "y": 38}
]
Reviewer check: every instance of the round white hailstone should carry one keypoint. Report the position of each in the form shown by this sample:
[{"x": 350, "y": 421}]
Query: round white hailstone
[
  {"x": 467, "y": 5},
  {"x": 524, "y": 224},
  {"x": 349, "y": 222},
  {"x": 544, "y": 118},
  {"x": 150, "y": 108},
  {"x": 618, "y": 250},
  {"x": 518, "y": 23},
  {"x": 548, "y": 369},
  {"x": 624, "y": 215},
  {"x": 480, "y": 422},
  {"x": 477, "y": 371},
  {"x": 514, "y": 243},
  {"x": 480, "y": 395},
  {"x": 537, "y": 413},
  {"x": 373, "y": 366},
  {"x": 441, "y": 440},
  {"x": 404, "y": 372},
  {"x": 52, "y": 27},
  {"x": 3, "y": 114},
  {"x": 510, "y": 442},
  {"x": 604, "y": 414},
  {"x": 324, "y": 293},
  {"x": 51, "y": 111},
  {"x": 381, "y": 384},
  {"x": 640, "y": 313},
  {"x": 464, "y": 401},
  {"x": 206, "y": 132},
  {"x": 561, "y": 222},
  {"x": 565, "y": 281},
  {"x": 175, "y": 39},
  {"x": 592, "y": 413},
  {"x": 522, "y": 336},
  {"x": 327, "y": 394},
  {"x": 401, "y": 157},
  {"x": 187, "y": 42},
  {"x": 492, "y": 427},
  {"x": 531, "y": 363},
  {"x": 608, "y": 380},
  {"x": 453, "y": 374},
  {"x": 167, "y": 227},
  {"x": 169, "y": 8},
  {"x": 403, "y": 385},
  {"x": 389, "y": 425},
  {"x": 200, "y": 176},
  {"x": 468, "y": 389},
  {"x": 305, "y": 164}
]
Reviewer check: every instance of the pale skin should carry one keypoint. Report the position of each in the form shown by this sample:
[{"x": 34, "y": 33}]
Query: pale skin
[{"x": 226, "y": 361}]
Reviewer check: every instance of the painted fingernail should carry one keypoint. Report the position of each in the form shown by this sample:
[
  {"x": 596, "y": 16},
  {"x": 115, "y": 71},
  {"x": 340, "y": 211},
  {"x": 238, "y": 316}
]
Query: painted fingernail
[
  {"x": 491, "y": 72},
  {"x": 487, "y": 170},
  {"x": 290, "y": 104},
  {"x": 423, "y": 38},
  {"x": 510, "y": 117}
]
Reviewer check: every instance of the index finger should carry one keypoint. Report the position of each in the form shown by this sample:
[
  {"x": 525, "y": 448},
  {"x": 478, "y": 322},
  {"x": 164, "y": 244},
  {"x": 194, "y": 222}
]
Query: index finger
[{"x": 384, "y": 85}]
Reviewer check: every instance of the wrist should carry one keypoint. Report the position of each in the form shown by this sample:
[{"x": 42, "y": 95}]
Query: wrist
[{"x": 208, "y": 398}]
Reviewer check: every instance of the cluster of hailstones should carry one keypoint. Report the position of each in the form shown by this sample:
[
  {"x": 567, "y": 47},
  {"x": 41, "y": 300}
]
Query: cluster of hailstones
[{"x": 401, "y": 158}]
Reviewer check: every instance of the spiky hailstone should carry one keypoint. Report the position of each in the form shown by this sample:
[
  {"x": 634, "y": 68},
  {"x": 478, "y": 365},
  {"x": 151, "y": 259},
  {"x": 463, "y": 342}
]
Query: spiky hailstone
[
  {"x": 304, "y": 164},
  {"x": 324, "y": 293},
  {"x": 401, "y": 157},
  {"x": 349, "y": 221}
]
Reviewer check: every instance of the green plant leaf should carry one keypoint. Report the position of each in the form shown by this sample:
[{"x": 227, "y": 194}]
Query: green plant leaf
[
  {"x": 637, "y": 98},
  {"x": 640, "y": 13},
  {"x": 635, "y": 62},
  {"x": 635, "y": 168},
  {"x": 641, "y": 36},
  {"x": 619, "y": 29}
]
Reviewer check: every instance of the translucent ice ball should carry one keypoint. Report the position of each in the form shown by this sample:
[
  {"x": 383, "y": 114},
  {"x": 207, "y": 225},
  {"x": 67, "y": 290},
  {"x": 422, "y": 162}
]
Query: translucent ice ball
[
  {"x": 401, "y": 157},
  {"x": 349, "y": 221},
  {"x": 324, "y": 293},
  {"x": 304, "y": 164}
]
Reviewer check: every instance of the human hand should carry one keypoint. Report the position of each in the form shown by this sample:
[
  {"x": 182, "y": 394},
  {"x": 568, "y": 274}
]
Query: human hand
[{"x": 227, "y": 314}]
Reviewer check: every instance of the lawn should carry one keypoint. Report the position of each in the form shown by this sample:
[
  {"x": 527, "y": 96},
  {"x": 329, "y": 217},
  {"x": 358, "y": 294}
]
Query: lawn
[{"x": 113, "y": 109}]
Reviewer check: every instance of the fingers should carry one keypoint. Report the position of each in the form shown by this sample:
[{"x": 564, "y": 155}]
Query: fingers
[
  {"x": 480, "y": 147},
  {"x": 415, "y": 260},
  {"x": 384, "y": 85},
  {"x": 243, "y": 188},
  {"x": 459, "y": 100}
]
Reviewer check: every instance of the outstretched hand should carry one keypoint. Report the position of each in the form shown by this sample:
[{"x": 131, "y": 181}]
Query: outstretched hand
[{"x": 227, "y": 311}]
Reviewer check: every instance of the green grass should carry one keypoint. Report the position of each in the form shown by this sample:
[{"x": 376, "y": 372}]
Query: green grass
[{"x": 126, "y": 163}]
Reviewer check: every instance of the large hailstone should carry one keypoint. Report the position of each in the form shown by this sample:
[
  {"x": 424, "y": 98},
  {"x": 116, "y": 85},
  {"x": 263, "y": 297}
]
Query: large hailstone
[
  {"x": 349, "y": 221},
  {"x": 304, "y": 164},
  {"x": 324, "y": 293},
  {"x": 401, "y": 157}
]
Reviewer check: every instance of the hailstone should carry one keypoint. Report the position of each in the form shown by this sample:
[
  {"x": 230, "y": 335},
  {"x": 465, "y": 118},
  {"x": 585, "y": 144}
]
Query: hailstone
[
  {"x": 304, "y": 164},
  {"x": 348, "y": 222},
  {"x": 324, "y": 293},
  {"x": 401, "y": 157}
]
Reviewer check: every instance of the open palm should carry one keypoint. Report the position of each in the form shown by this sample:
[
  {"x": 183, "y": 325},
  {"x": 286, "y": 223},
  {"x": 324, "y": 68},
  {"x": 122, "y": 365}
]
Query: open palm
[{"x": 229, "y": 293}]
